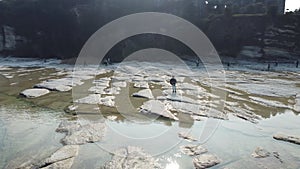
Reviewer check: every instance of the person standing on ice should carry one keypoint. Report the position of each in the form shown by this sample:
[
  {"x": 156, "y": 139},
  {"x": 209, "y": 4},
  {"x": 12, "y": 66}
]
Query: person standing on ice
[{"x": 173, "y": 82}]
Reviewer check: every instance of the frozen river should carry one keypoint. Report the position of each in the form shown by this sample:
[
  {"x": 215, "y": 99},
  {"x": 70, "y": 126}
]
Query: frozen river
[{"x": 231, "y": 113}]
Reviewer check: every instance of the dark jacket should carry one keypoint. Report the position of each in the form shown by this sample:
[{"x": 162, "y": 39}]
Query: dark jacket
[{"x": 173, "y": 81}]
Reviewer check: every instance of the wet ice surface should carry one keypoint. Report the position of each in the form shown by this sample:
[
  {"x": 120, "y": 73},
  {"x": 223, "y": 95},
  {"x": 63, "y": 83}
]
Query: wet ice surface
[
  {"x": 258, "y": 104},
  {"x": 26, "y": 134}
]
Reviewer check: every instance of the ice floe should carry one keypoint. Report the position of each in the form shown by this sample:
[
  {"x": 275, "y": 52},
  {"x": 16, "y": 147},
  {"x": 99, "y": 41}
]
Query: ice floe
[
  {"x": 186, "y": 136},
  {"x": 102, "y": 82},
  {"x": 269, "y": 103},
  {"x": 181, "y": 99},
  {"x": 145, "y": 93},
  {"x": 170, "y": 92},
  {"x": 193, "y": 150},
  {"x": 77, "y": 134},
  {"x": 244, "y": 114},
  {"x": 142, "y": 85},
  {"x": 108, "y": 101},
  {"x": 266, "y": 89},
  {"x": 66, "y": 83},
  {"x": 33, "y": 93},
  {"x": 297, "y": 103},
  {"x": 260, "y": 152},
  {"x": 132, "y": 157},
  {"x": 158, "y": 108},
  {"x": 97, "y": 99},
  {"x": 54, "y": 85},
  {"x": 97, "y": 89},
  {"x": 91, "y": 99},
  {"x": 62, "y": 158},
  {"x": 112, "y": 91},
  {"x": 119, "y": 84},
  {"x": 206, "y": 161},
  {"x": 62, "y": 85},
  {"x": 188, "y": 108}
]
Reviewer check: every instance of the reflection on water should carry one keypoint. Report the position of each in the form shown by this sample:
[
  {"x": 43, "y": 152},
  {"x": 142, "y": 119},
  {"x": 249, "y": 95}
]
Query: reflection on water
[
  {"x": 27, "y": 126},
  {"x": 27, "y": 133},
  {"x": 30, "y": 133}
]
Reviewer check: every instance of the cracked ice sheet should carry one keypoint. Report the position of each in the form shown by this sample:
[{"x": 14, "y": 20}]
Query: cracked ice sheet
[
  {"x": 274, "y": 90},
  {"x": 237, "y": 98},
  {"x": 97, "y": 89},
  {"x": 137, "y": 78},
  {"x": 25, "y": 70},
  {"x": 242, "y": 113},
  {"x": 146, "y": 93},
  {"x": 7, "y": 75},
  {"x": 142, "y": 85},
  {"x": 97, "y": 99},
  {"x": 104, "y": 82},
  {"x": 229, "y": 91},
  {"x": 182, "y": 99},
  {"x": 127, "y": 68},
  {"x": 4, "y": 68},
  {"x": 112, "y": 90},
  {"x": 186, "y": 108},
  {"x": 121, "y": 77},
  {"x": 269, "y": 103},
  {"x": 88, "y": 71},
  {"x": 156, "y": 79},
  {"x": 264, "y": 83},
  {"x": 119, "y": 84},
  {"x": 85, "y": 73},
  {"x": 297, "y": 103},
  {"x": 170, "y": 92},
  {"x": 101, "y": 86},
  {"x": 179, "y": 98},
  {"x": 189, "y": 86},
  {"x": 72, "y": 79},
  {"x": 184, "y": 86},
  {"x": 108, "y": 101},
  {"x": 158, "y": 108},
  {"x": 91, "y": 99},
  {"x": 194, "y": 109},
  {"x": 62, "y": 85},
  {"x": 66, "y": 81}
]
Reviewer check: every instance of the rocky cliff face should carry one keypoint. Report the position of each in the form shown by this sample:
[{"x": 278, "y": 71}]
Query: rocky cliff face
[
  {"x": 259, "y": 37},
  {"x": 59, "y": 28},
  {"x": 230, "y": 34},
  {"x": 9, "y": 40},
  {"x": 1, "y": 42}
]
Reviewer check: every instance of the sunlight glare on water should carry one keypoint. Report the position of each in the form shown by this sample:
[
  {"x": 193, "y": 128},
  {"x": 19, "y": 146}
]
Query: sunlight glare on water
[{"x": 172, "y": 164}]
